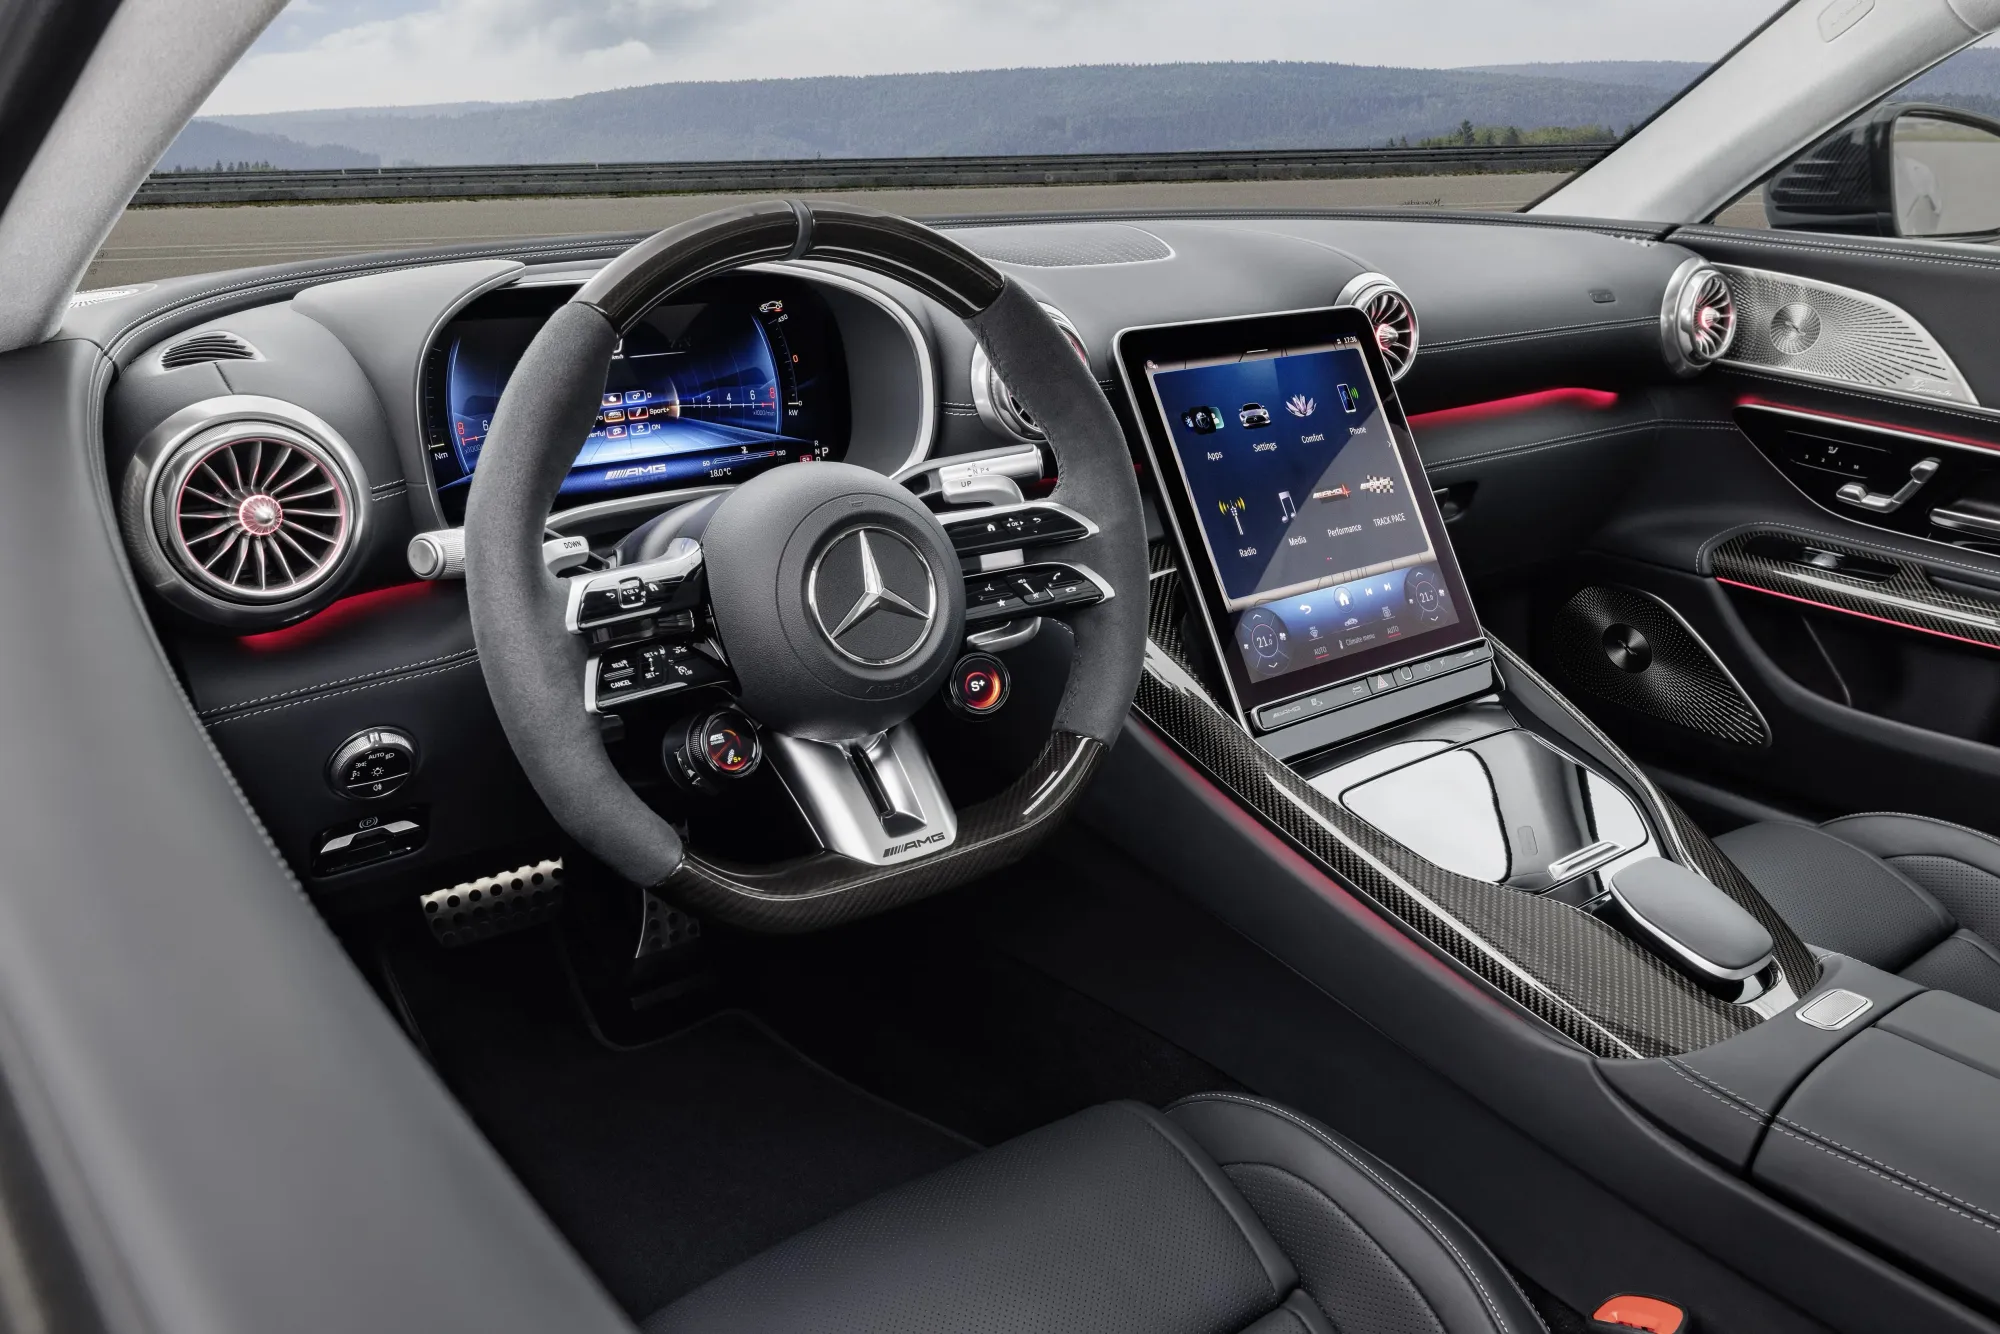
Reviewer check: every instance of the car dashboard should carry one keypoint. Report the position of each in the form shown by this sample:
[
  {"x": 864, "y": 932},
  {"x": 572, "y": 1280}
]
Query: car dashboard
[{"x": 344, "y": 691}]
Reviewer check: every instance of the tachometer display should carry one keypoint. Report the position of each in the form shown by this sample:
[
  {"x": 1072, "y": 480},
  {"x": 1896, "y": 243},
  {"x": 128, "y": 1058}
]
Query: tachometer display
[{"x": 746, "y": 376}]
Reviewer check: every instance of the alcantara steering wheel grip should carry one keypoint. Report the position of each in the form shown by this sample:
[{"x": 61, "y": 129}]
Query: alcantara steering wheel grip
[{"x": 769, "y": 552}]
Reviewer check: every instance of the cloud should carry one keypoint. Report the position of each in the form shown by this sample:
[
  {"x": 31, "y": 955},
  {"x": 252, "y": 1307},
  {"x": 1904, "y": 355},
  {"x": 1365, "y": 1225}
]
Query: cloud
[{"x": 406, "y": 52}]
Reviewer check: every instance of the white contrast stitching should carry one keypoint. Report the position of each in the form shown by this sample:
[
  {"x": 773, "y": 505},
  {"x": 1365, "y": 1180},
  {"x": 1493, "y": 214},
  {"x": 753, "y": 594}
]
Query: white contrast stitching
[
  {"x": 1927, "y": 819},
  {"x": 1554, "y": 331},
  {"x": 1429, "y": 1224},
  {"x": 1818, "y": 1138},
  {"x": 328, "y": 685},
  {"x": 335, "y": 694},
  {"x": 1824, "y": 250},
  {"x": 1926, "y": 1195},
  {"x": 1744, "y": 1112},
  {"x": 1987, "y": 416}
]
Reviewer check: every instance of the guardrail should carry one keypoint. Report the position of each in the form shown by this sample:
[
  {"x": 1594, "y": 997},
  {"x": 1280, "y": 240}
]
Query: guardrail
[{"x": 647, "y": 178}]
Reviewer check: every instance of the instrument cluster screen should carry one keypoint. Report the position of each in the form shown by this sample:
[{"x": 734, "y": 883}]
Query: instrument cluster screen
[
  {"x": 717, "y": 389},
  {"x": 1306, "y": 512}
]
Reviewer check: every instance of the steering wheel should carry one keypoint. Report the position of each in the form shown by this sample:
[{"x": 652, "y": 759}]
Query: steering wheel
[{"x": 837, "y": 598}]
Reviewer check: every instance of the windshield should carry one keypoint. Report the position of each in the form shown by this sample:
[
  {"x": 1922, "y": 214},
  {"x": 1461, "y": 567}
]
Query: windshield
[{"x": 1466, "y": 104}]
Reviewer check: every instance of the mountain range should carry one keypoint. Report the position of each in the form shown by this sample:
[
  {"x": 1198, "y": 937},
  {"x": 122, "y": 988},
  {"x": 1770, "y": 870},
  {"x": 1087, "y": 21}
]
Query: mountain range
[{"x": 1074, "y": 109}]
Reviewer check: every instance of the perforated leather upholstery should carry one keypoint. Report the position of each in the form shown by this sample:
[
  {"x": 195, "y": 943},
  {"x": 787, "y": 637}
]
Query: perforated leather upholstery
[
  {"x": 1906, "y": 893},
  {"x": 1224, "y": 1214}
]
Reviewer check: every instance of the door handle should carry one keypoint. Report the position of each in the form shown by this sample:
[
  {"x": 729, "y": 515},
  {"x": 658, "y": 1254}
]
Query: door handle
[{"x": 1875, "y": 502}]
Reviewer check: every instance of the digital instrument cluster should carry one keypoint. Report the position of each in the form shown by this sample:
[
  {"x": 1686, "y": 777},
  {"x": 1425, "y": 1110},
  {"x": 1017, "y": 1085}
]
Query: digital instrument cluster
[{"x": 742, "y": 374}]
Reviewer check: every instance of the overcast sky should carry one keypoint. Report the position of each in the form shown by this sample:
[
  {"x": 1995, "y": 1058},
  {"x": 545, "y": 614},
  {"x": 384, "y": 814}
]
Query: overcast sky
[{"x": 329, "y": 53}]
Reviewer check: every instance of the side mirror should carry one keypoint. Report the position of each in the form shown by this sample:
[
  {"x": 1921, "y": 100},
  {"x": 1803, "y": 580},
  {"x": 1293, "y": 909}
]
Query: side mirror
[{"x": 1900, "y": 170}]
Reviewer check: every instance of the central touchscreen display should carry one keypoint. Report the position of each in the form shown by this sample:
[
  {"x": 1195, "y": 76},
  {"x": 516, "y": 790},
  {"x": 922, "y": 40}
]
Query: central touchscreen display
[
  {"x": 1312, "y": 549},
  {"x": 1306, "y": 512}
]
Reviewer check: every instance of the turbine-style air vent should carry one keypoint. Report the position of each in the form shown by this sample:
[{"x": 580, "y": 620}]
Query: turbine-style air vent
[
  {"x": 1698, "y": 320},
  {"x": 1394, "y": 318},
  {"x": 215, "y": 345},
  {"x": 245, "y": 511},
  {"x": 996, "y": 403}
]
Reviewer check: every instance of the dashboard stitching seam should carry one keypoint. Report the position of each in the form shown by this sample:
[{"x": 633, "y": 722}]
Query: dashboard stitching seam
[
  {"x": 1718, "y": 1085},
  {"x": 207, "y": 297},
  {"x": 313, "y": 699},
  {"x": 1702, "y": 552},
  {"x": 1895, "y": 1179},
  {"x": 1988, "y": 418},
  {"x": 1429, "y": 1223},
  {"x": 1824, "y": 250},
  {"x": 220, "y": 709},
  {"x": 1582, "y": 437},
  {"x": 1553, "y": 331}
]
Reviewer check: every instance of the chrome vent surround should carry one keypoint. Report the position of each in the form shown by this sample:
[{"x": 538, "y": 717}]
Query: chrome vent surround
[
  {"x": 1818, "y": 331},
  {"x": 1697, "y": 317},
  {"x": 1392, "y": 315},
  {"x": 214, "y": 345},
  {"x": 996, "y": 404},
  {"x": 245, "y": 511}
]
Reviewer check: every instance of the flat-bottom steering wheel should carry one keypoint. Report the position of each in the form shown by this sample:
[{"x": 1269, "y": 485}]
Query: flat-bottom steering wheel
[{"x": 836, "y": 596}]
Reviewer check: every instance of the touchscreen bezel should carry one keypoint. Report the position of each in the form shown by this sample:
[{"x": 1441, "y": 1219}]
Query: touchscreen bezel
[{"x": 1233, "y": 335}]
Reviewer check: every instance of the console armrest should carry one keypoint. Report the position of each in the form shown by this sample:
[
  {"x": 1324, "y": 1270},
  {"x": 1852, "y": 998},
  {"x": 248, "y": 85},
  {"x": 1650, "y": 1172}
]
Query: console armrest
[{"x": 1690, "y": 923}]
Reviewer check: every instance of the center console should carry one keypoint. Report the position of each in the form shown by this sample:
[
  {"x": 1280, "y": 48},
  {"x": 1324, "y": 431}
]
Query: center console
[{"x": 1332, "y": 667}]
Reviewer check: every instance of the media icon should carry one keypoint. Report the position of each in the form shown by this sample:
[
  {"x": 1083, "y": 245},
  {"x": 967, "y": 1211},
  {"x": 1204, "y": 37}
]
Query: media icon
[
  {"x": 1254, "y": 416},
  {"x": 1287, "y": 511},
  {"x": 1300, "y": 406},
  {"x": 1202, "y": 421},
  {"x": 1349, "y": 400}
]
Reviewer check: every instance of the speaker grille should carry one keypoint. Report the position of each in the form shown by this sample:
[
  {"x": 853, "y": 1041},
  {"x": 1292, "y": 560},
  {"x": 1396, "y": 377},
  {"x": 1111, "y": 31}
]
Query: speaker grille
[
  {"x": 1819, "y": 331},
  {"x": 1632, "y": 649}
]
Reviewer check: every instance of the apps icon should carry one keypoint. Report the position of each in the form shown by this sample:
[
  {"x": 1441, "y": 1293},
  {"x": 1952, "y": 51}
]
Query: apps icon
[
  {"x": 1254, "y": 416},
  {"x": 1202, "y": 421},
  {"x": 1349, "y": 400},
  {"x": 1300, "y": 406}
]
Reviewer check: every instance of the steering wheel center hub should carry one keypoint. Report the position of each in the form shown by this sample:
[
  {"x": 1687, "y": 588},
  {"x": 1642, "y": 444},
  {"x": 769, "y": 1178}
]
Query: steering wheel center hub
[{"x": 839, "y": 596}]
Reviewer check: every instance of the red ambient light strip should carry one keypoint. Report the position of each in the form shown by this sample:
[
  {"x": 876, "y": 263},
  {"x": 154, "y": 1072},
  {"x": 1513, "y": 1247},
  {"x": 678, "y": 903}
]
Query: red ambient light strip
[{"x": 1595, "y": 399}]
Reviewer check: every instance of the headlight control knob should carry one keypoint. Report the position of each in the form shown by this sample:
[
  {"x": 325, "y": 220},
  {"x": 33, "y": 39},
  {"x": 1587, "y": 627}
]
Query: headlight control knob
[
  {"x": 710, "y": 750},
  {"x": 372, "y": 764}
]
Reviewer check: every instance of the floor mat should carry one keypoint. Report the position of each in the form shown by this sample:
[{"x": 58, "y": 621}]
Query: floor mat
[{"x": 666, "y": 1164}]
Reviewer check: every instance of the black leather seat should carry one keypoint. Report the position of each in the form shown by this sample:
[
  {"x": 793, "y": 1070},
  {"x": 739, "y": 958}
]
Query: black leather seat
[
  {"x": 1906, "y": 893},
  {"x": 1225, "y": 1213}
]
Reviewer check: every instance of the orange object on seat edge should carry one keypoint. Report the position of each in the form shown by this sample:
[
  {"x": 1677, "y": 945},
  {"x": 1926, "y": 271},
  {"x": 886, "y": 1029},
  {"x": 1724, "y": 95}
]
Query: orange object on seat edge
[{"x": 1647, "y": 1313}]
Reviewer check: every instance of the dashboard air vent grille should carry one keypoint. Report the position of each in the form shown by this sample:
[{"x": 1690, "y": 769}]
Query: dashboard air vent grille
[
  {"x": 215, "y": 345},
  {"x": 259, "y": 517},
  {"x": 996, "y": 404},
  {"x": 1394, "y": 318},
  {"x": 1698, "y": 318}
]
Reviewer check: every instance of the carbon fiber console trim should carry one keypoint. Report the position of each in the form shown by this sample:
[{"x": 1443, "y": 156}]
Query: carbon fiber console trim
[
  {"x": 1906, "y": 598},
  {"x": 1568, "y": 968},
  {"x": 1667, "y": 672}
]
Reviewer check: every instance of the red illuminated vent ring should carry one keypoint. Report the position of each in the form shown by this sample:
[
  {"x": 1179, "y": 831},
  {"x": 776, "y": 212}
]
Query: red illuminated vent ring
[{"x": 1390, "y": 312}]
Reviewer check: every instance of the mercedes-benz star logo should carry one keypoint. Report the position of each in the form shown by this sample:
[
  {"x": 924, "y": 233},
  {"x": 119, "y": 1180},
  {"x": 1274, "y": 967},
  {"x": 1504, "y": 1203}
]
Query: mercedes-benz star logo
[{"x": 874, "y": 596}]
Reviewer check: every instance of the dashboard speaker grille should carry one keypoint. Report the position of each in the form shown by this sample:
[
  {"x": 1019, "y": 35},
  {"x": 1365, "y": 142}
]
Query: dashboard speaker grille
[
  {"x": 257, "y": 515},
  {"x": 1634, "y": 650},
  {"x": 1392, "y": 315},
  {"x": 215, "y": 345}
]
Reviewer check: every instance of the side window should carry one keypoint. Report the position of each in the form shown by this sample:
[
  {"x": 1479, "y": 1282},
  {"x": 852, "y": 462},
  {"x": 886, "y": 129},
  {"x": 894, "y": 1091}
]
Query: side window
[{"x": 1923, "y": 162}]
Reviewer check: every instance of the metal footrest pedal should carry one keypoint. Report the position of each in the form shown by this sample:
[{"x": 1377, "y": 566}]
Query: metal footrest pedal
[{"x": 494, "y": 905}]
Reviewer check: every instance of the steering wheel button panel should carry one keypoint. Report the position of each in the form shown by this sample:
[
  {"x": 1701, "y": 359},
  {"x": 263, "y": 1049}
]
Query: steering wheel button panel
[
  {"x": 1036, "y": 588},
  {"x": 1008, "y": 527},
  {"x": 666, "y": 585},
  {"x": 648, "y": 669}
]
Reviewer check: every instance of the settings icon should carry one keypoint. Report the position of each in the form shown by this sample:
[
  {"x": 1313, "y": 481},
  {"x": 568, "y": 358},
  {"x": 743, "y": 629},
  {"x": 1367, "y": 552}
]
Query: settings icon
[{"x": 1300, "y": 406}]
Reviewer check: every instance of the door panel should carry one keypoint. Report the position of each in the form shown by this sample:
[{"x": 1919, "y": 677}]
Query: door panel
[{"x": 1865, "y": 634}]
